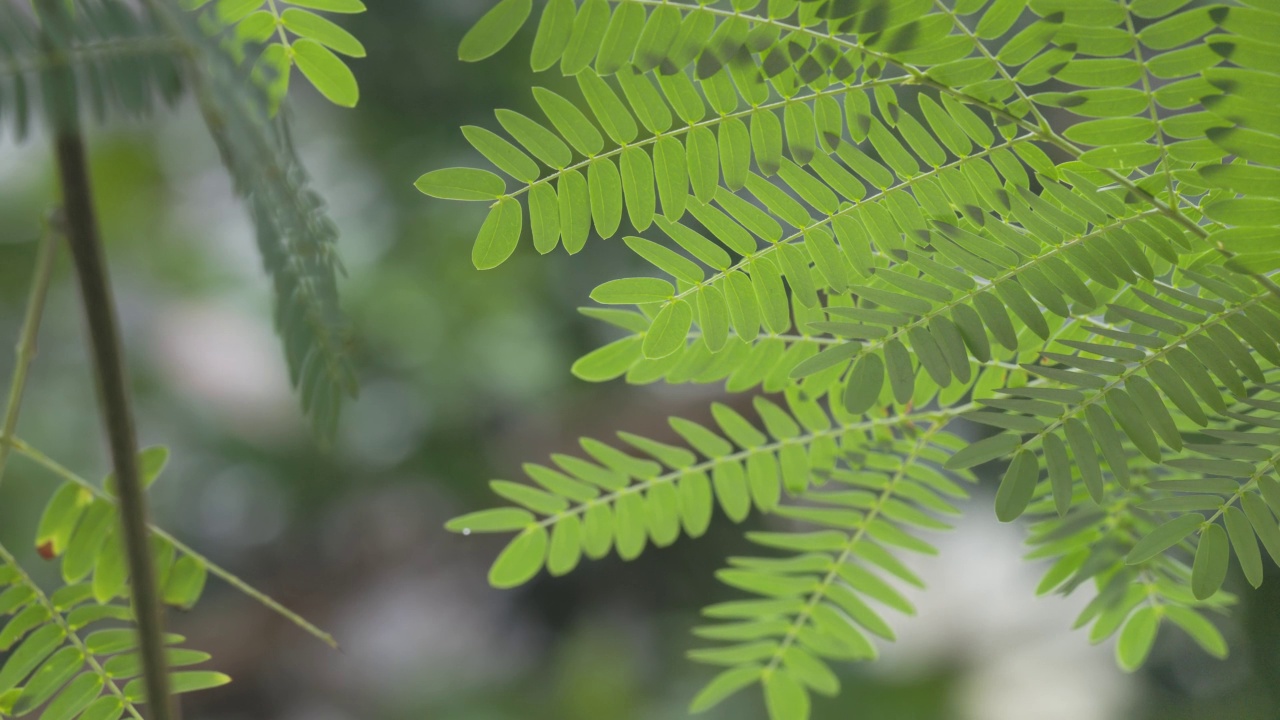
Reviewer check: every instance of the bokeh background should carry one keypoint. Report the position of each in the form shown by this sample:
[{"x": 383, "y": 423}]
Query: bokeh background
[{"x": 465, "y": 376}]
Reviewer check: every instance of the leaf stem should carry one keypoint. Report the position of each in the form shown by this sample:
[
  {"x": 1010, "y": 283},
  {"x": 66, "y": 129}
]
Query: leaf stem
[
  {"x": 26, "y": 352},
  {"x": 27, "y": 450}
]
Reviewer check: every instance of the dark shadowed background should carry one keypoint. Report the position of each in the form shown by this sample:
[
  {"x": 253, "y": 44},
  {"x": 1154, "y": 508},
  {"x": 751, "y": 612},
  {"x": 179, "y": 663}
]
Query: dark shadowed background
[{"x": 465, "y": 376}]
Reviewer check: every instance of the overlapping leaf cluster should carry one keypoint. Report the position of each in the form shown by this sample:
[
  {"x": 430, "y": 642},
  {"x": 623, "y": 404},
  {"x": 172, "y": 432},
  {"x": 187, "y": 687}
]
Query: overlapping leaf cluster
[
  {"x": 293, "y": 37},
  {"x": 1054, "y": 219},
  {"x": 123, "y": 60},
  {"x": 72, "y": 653},
  {"x": 126, "y": 58}
]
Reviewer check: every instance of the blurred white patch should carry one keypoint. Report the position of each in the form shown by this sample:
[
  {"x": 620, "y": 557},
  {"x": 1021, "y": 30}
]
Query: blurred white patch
[
  {"x": 229, "y": 363},
  {"x": 385, "y": 423},
  {"x": 1021, "y": 660},
  {"x": 241, "y": 508},
  {"x": 422, "y": 637}
]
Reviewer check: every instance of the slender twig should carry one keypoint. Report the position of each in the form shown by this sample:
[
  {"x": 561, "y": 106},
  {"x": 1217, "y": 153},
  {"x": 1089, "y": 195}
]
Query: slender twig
[
  {"x": 64, "y": 473},
  {"x": 84, "y": 240},
  {"x": 45, "y": 252}
]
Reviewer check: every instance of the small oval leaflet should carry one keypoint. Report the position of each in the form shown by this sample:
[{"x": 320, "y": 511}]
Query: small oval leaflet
[
  {"x": 499, "y": 234},
  {"x": 494, "y": 30},
  {"x": 521, "y": 560},
  {"x": 329, "y": 74},
  {"x": 461, "y": 184}
]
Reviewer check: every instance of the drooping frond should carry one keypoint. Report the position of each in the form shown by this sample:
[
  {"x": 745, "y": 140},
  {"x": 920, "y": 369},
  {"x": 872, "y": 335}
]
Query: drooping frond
[
  {"x": 283, "y": 39},
  {"x": 123, "y": 60},
  {"x": 1056, "y": 218},
  {"x": 296, "y": 237}
]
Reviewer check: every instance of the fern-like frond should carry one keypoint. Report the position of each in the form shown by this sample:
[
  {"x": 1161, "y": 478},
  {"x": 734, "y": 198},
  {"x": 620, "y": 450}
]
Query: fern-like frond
[
  {"x": 181, "y": 569},
  {"x": 1095, "y": 545},
  {"x": 295, "y": 234},
  {"x": 1054, "y": 217},
  {"x": 280, "y": 40},
  {"x": 123, "y": 60},
  {"x": 1170, "y": 348},
  {"x": 618, "y": 500},
  {"x": 73, "y": 656},
  {"x": 811, "y": 607}
]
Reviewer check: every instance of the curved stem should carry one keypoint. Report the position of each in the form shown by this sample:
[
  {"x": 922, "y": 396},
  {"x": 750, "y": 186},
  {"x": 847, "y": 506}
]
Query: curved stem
[
  {"x": 27, "y": 450},
  {"x": 26, "y": 352}
]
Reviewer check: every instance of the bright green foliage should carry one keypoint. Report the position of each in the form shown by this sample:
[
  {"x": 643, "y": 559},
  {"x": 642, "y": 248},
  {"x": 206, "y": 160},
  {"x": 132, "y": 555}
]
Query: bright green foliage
[
  {"x": 74, "y": 648},
  {"x": 1047, "y": 227},
  {"x": 77, "y": 653},
  {"x": 124, "y": 58},
  {"x": 293, "y": 37}
]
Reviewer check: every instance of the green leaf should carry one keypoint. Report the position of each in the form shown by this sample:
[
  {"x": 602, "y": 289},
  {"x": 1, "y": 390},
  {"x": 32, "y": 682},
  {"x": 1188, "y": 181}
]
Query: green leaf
[
  {"x": 29, "y": 655},
  {"x": 574, "y": 204},
  {"x": 609, "y": 110},
  {"x": 723, "y": 685},
  {"x": 495, "y": 520},
  {"x": 1164, "y": 537},
  {"x": 180, "y": 682},
  {"x": 544, "y": 217},
  {"x": 862, "y": 389},
  {"x": 326, "y": 72},
  {"x": 79, "y": 695},
  {"x": 785, "y": 697},
  {"x": 552, "y": 38},
  {"x": 536, "y": 139},
  {"x": 713, "y": 317},
  {"x": 1263, "y": 522},
  {"x": 620, "y": 38},
  {"x": 671, "y": 173},
  {"x": 333, "y": 6},
  {"x": 1017, "y": 487},
  {"x": 494, "y": 30},
  {"x": 584, "y": 40},
  {"x": 1244, "y": 543},
  {"x": 309, "y": 25},
  {"x": 629, "y": 291},
  {"x": 704, "y": 163},
  {"x": 186, "y": 582},
  {"x": 566, "y": 546},
  {"x": 637, "y": 187},
  {"x": 570, "y": 121},
  {"x": 608, "y": 362},
  {"x": 461, "y": 184},
  {"x": 984, "y": 450},
  {"x": 60, "y": 519},
  {"x": 605, "y": 187},
  {"x": 1200, "y": 629},
  {"x": 1210, "y": 567},
  {"x": 504, "y": 155},
  {"x": 521, "y": 559},
  {"x": 1137, "y": 637},
  {"x": 499, "y": 234},
  {"x": 669, "y": 331}
]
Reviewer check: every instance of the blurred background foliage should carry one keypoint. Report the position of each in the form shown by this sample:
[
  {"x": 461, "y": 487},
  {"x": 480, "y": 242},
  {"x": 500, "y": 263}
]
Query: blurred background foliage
[{"x": 465, "y": 376}]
